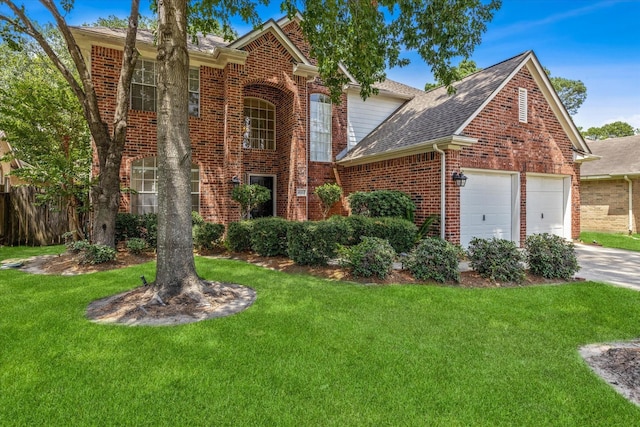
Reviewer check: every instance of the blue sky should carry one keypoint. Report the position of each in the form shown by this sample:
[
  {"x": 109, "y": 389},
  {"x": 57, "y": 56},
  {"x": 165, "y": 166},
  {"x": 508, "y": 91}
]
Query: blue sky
[{"x": 597, "y": 42}]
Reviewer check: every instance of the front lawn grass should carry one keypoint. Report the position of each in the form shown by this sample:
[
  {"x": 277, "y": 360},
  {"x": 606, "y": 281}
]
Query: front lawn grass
[
  {"x": 612, "y": 240},
  {"x": 312, "y": 352}
]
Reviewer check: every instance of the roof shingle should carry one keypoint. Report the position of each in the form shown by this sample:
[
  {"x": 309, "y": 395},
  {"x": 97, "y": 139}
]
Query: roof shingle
[{"x": 619, "y": 156}]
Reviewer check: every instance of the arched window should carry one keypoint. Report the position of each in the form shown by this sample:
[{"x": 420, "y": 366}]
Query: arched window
[
  {"x": 320, "y": 128},
  {"x": 144, "y": 182},
  {"x": 259, "y": 124}
]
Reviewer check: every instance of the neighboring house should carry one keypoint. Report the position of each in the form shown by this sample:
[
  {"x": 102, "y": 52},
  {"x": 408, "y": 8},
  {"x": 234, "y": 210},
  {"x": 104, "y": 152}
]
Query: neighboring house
[
  {"x": 610, "y": 193},
  {"x": 6, "y": 167},
  {"x": 261, "y": 115}
]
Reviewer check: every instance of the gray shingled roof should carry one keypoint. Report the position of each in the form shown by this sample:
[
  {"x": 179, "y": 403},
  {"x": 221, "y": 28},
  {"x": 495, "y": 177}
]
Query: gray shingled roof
[
  {"x": 205, "y": 44},
  {"x": 619, "y": 156},
  {"x": 398, "y": 88},
  {"x": 435, "y": 114}
]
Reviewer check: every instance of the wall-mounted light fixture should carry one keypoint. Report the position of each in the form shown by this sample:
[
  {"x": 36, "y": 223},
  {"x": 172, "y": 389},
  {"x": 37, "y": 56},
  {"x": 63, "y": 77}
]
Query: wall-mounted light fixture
[
  {"x": 235, "y": 181},
  {"x": 459, "y": 178}
]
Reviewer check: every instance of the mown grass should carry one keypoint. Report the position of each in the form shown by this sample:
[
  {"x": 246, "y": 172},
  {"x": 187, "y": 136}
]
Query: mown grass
[
  {"x": 612, "y": 240},
  {"x": 313, "y": 352}
]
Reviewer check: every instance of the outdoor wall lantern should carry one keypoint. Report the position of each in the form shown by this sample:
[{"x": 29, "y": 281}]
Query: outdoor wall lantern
[
  {"x": 459, "y": 178},
  {"x": 235, "y": 181}
]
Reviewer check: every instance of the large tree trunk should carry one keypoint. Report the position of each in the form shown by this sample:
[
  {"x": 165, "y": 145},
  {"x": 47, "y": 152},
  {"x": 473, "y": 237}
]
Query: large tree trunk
[{"x": 176, "y": 272}]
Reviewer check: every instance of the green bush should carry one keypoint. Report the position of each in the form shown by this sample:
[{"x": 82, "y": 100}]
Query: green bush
[
  {"x": 206, "y": 235},
  {"x": 551, "y": 256},
  {"x": 142, "y": 226},
  {"x": 127, "y": 226},
  {"x": 269, "y": 236},
  {"x": 77, "y": 246},
  {"x": 98, "y": 254},
  {"x": 435, "y": 259},
  {"x": 250, "y": 196},
  {"x": 239, "y": 236},
  {"x": 353, "y": 228},
  {"x": 328, "y": 194},
  {"x": 136, "y": 245},
  {"x": 400, "y": 233},
  {"x": 196, "y": 218},
  {"x": 497, "y": 259},
  {"x": 314, "y": 242},
  {"x": 382, "y": 203},
  {"x": 371, "y": 257}
]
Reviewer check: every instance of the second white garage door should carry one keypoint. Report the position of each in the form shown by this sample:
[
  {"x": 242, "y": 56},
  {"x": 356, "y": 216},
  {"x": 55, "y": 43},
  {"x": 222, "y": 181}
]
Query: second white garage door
[
  {"x": 547, "y": 205},
  {"x": 487, "y": 205}
]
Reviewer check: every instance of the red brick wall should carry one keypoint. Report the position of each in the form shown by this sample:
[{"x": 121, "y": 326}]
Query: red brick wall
[{"x": 539, "y": 146}]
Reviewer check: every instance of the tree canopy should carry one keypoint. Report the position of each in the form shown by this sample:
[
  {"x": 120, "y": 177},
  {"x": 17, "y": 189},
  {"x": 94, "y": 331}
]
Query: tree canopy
[
  {"x": 610, "y": 130},
  {"x": 465, "y": 67},
  {"x": 572, "y": 93}
]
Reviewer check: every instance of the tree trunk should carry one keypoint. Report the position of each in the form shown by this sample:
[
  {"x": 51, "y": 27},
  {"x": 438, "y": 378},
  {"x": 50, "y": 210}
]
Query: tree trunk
[
  {"x": 176, "y": 272},
  {"x": 105, "y": 196}
]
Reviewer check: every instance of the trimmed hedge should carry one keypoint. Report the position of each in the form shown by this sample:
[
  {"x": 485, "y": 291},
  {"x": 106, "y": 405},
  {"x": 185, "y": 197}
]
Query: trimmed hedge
[
  {"x": 400, "y": 233},
  {"x": 206, "y": 235},
  {"x": 314, "y": 242},
  {"x": 435, "y": 259},
  {"x": 269, "y": 236},
  {"x": 130, "y": 226},
  {"x": 371, "y": 257},
  {"x": 497, "y": 259},
  {"x": 551, "y": 256},
  {"x": 382, "y": 203},
  {"x": 239, "y": 236}
]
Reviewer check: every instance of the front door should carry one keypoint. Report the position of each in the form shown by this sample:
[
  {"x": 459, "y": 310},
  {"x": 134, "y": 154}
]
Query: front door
[{"x": 268, "y": 207}]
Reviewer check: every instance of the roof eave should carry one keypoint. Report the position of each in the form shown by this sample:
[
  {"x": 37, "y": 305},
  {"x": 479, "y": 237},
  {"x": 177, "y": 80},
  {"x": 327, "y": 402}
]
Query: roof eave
[
  {"x": 453, "y": 142},
  {"x": 355, "y": 87},
  {"x": 610, "y": 176}
]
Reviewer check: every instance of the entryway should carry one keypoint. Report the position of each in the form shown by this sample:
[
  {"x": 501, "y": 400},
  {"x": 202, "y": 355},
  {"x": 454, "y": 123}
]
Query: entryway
[{"x": 268, "y": 208}]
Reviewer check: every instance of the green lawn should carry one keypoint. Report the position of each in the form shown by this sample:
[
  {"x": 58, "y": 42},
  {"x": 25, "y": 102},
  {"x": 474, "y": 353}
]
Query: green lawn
[
  {"x": 312, "y": 352},
  {"x": 610, "y": 240}
]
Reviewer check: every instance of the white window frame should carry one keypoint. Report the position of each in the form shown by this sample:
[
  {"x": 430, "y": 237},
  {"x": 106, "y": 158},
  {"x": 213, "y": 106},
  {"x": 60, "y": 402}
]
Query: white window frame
[
  {"x": 141, "y": 80},
  {"x": 522, "y": 105},
  {"x": 256, "y": 133},
  {"x": 150, "y": 164},
  {"x": 320, "y": 135}
]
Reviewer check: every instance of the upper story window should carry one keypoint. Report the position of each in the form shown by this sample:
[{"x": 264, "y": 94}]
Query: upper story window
[
  {"x": 144, "y": 95},
  {"x": 259, "y": 124},
  {"x": 320, "y": 128},
  {"x": 522, "y": 105},
  {"x": 144, "y": 182}
]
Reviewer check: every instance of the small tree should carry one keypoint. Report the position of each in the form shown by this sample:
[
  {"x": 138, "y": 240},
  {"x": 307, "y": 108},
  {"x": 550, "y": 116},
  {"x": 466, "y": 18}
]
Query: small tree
[
  {"x": 250, "y": 196},
  {"x": 328, "y": 194}
]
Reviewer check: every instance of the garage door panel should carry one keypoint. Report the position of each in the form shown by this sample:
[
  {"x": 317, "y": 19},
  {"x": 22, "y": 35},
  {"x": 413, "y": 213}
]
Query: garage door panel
[
  {"x": 486, "y": 206},
  {"x": 546, "y": 201}
]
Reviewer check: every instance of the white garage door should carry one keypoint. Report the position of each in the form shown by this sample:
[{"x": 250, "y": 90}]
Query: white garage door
[
  {"x": 547, "y": 205},
  {"x": 486, "y": 207}
]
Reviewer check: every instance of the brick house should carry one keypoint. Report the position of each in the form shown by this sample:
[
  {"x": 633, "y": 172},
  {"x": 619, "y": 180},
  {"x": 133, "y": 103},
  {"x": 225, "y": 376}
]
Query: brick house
[
  {"x": 261, "y": 115},
  {"x": 610, "y": 187}
]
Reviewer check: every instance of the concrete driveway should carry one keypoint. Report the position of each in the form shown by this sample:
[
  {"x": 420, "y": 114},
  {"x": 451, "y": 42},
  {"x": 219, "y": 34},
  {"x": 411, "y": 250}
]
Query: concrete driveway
[{"x": 615, "y": 266}]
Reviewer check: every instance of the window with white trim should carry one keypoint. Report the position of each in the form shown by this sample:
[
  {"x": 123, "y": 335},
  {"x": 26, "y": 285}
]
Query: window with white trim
[
  {"x": 522, "y": 105},
  {"x": 144, "y": 183},
  {"x": 320, "y": 128},
  {"x": 144, "y": 94},
  {"x": 259, "y": 124}
]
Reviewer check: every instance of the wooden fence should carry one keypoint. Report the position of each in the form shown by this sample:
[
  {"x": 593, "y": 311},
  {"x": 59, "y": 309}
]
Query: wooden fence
[{"x": 23, "y": 222}]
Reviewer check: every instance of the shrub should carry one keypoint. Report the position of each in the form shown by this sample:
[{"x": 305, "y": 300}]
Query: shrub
[
  {"x": 328, "y": 194},
  {"x": 314, "y": 242},
  {"x": 354, "y": 226},
  {"x": 77, "y": 246},
  {"x": 269, "y": 236},
  {"x": 239, "y": 236},
  {"x": 149, "y": 229},
  {"x": 207, "y": 235},
  {"x": 400, "y": 233},
  {"x": 551, "y": 256},
  {"x": 382, "y": 203},
  {"x": 98, "y": 254},
  {"x": 435, "y": 259},
  {"x": 496, "y": 259},
  {"x": 136, "y": 245},
  {"x": 127, "y": 226},
  {"x": 196, "y": 218},
  {"x": 250, "y": 196},
  {"x": 371, "y": 257}
]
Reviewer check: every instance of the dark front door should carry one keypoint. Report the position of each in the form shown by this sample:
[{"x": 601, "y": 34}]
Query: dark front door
[{"x": 265, "y": 209}]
